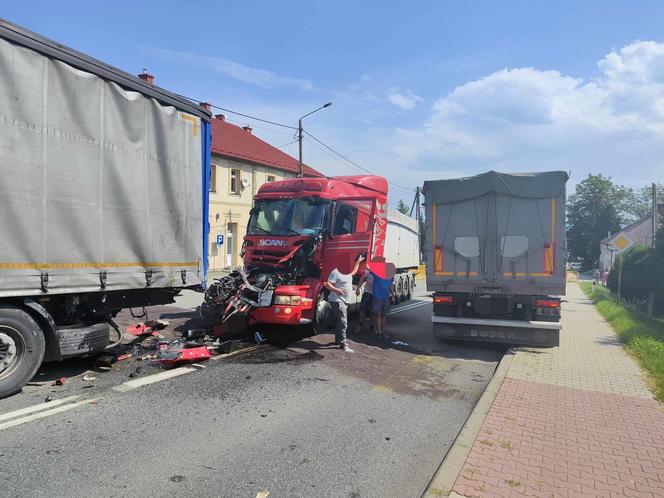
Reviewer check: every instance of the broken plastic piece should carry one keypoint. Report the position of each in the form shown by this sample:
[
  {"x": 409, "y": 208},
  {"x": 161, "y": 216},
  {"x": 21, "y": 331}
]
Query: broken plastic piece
[
  {"x": 89, "y": 378},
  {"x": 258, "y": 338},
  {"x": 400, "y": 343},
  {"x": 184, "y": 356},
  {"x": 124, "y": 356},
  {"x": 139, "y": 329},
  {"x": 59, "y": 382}
]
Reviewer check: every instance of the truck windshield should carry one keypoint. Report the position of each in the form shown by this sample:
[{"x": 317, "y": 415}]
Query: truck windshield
[{"x": 287, "y": 217}]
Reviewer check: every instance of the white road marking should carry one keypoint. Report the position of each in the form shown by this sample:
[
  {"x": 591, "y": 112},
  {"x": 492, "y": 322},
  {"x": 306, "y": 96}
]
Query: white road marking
[
  {"x": 47, "y": 413},
  {"x": 408, "y": 307},
  {"x": 151, "y": 379},
  {"x": 36, "y": 408}
]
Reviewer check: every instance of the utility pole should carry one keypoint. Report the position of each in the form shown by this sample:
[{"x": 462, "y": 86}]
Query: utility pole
[
  {"x": 300, "y": 132},
  {"x": 654, "y": 214},
  {"x": 653, "y": 224},
  {"x": 299, "y": 140}
]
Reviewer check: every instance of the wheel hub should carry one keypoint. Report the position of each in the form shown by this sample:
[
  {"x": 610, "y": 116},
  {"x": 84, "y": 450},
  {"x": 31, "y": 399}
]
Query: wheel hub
[{"x": 8, "y": 352}]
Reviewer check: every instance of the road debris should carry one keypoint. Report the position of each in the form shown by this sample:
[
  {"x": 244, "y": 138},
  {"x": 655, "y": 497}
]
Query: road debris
[
  {"x": 258, "y": 338},
  {"x": 135, "y": 373},
  {"x": 105, "y": 360},
  {"x": 193, "y": 334},
  {"x": 169, "y": 358},
  {"x": 140, "y": 329},
  {"x": 59, "y": 382},
  {"x": 48, "y": 398},
  {"x": 262, "y": 494},
  {"x": 89, "y": 378},
  {"x": 400, "y": 343}
]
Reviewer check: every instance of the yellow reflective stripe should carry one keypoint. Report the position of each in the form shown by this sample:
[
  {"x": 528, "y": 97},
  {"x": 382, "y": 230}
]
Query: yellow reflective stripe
[
  {"x": 68, "y": 266},
  {"x": 194, "y": 123}
]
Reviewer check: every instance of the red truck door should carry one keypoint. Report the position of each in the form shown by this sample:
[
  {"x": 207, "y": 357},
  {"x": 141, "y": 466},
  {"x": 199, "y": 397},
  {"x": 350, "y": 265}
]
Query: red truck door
[{"x": 350, "y": 234}]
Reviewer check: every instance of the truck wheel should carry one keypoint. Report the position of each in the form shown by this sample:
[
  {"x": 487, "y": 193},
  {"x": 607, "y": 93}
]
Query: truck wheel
[
  {"x": 22, "y": 347},
  {"x": 322, "y": 313},
  {"x": 409, "y": 289}
]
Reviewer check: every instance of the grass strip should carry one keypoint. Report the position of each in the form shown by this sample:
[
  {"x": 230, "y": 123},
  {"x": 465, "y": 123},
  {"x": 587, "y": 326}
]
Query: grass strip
[{"x": 641, "y": 335}]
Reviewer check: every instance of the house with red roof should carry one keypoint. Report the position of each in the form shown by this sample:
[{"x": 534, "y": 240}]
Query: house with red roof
[{"x": 241, "y": 162}]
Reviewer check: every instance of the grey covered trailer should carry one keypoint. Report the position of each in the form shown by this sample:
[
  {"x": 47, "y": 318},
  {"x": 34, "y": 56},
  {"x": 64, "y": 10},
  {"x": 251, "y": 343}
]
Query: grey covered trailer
[
  {"x": 103, "y": 200},
  {"x": 102, "y": 175},
  {"x": 494, "y": 240}
]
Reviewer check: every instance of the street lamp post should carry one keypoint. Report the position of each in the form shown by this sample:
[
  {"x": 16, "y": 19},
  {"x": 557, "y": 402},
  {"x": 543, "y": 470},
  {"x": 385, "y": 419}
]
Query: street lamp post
[{"x": 300, "y": 132}]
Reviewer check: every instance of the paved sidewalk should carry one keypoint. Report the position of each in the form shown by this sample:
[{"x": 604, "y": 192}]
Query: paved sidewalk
[{"x": 576, "y": 420}]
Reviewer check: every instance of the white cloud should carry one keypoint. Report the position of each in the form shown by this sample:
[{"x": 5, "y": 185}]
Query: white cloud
[
  {"x": 254, "y": 76},
  {"x": 406, "y": 100},
  {"x": 529, "y": 119}
]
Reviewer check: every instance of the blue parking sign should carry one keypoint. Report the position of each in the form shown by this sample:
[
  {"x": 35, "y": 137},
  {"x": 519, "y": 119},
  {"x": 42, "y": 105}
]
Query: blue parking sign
[{"x": 220, "y": 240}]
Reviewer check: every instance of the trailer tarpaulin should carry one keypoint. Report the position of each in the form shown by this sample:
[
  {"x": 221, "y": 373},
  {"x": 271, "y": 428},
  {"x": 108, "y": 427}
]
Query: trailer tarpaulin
[
  {"x": 100, "y": 186},
  {"x": 527, "y": 185}
]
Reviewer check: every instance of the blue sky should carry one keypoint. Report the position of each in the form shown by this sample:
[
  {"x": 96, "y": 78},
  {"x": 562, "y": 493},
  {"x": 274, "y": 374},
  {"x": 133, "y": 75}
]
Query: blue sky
[{"x": 421, "y": 90}]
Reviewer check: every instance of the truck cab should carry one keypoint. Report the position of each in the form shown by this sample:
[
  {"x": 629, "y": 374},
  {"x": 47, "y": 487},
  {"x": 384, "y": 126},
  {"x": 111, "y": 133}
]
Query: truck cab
[{"x": 300, "y": 230}]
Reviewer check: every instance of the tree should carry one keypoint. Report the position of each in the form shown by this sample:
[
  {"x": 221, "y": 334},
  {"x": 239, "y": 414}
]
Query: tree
[
  {"x": 640, "y": 204},
  {"x": 598, "y": 207},
  {"x": 402, "y": 207}
]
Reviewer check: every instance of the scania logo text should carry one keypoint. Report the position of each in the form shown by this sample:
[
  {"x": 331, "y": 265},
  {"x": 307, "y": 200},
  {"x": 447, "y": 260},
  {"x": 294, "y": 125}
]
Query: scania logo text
[{"x": 272, "y": 242}]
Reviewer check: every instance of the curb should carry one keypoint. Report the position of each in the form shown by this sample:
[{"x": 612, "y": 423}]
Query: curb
[{"x": 443, "y": 481}]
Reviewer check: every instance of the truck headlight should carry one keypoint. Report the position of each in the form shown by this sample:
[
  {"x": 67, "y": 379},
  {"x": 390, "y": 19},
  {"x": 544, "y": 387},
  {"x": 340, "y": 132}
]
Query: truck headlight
[{"x": 288, "y": 300}]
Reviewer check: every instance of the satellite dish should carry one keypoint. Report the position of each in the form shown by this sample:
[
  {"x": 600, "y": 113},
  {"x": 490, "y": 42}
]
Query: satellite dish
[{"x": 244, "y": 182}]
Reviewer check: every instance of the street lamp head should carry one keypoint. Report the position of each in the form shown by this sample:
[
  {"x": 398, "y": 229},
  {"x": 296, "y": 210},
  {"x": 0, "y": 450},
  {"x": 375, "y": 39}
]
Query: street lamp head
[{"x": 328, "y": 104}]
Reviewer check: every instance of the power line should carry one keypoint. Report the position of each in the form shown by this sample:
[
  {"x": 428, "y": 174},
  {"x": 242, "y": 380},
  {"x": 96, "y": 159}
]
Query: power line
[
  {"x": 240, "y": 113},
  {"x": 296, "y": 129},
  {"x": 354, "y": 163},
  {"x": 324, "y": 151}
]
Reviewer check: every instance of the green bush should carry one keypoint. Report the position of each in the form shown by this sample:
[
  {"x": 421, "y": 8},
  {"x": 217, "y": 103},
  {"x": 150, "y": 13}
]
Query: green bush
[{"x": 642, "y": 273}]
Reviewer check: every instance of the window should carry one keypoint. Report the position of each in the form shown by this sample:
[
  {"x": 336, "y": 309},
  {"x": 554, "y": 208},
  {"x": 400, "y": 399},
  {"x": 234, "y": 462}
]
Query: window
[
  {"x": 345, "y": 220},
  {"x": 235, "y": 181},
  {"x": 468, "y": 247},
  {"x": 270, "y": 178},
  {"x": 513, "y": 246},
  {"x": 213, "y": 178}
]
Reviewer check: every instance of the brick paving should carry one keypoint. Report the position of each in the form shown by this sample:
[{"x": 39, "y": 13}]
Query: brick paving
[{"x": 577, "y": 420}]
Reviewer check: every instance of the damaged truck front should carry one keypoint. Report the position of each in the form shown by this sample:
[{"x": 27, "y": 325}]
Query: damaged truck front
[
  {"x": 496, "y": 247},
  {"x": 103, "y": 185},
  {"x": 299, "y": 231}
]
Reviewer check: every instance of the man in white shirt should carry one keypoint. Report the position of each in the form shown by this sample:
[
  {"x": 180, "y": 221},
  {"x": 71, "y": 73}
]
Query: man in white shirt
[{"x": 340, "y": 286}]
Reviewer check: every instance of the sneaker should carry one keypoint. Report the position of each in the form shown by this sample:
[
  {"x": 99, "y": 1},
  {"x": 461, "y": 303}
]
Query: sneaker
[{"x": 344, "y": 347}]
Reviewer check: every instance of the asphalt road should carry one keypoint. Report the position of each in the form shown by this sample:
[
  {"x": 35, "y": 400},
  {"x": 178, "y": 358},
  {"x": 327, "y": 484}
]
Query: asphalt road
[{"x": 301, "y": 420}]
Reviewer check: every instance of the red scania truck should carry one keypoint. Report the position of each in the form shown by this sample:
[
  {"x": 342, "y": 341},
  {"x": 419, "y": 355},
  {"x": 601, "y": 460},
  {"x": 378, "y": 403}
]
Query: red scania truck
[{"x": 300, "y": 230}]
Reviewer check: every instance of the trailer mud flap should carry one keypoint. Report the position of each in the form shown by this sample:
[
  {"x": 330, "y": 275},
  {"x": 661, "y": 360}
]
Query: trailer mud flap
[{"x": 530, "y": 335}]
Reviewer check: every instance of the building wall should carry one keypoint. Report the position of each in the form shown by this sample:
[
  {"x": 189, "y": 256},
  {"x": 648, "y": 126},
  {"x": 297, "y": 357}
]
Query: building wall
[
  {"x": 227, "y": 207},
  {"x": 641, "y": 234}
]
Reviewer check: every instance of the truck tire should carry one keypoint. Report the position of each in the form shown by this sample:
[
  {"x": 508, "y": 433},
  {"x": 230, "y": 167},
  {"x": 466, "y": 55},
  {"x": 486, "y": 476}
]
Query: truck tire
[
  {"x": 399, "y": 290},
  {"x": 82, "y": 339},
  {"x": 22, "y": 347},
  {"x": 409, "y": 288},
  {"x": 321, "y": 319}
]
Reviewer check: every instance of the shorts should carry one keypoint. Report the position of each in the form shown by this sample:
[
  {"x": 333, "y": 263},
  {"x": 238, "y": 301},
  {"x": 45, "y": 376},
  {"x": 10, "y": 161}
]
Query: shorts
[
  {"x": 380, "y": 306},
  {"x": 365, "y": 303}
]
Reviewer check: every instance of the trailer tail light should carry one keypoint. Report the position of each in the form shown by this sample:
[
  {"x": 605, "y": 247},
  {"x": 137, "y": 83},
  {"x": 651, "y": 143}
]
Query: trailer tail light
[
  {"x": 547, "y": 303},
  {"x": 444, "y": 300}
]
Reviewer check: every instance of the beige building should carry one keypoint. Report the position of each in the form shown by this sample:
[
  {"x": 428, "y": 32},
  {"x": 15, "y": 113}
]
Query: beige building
[{"x": 240, "y": 164}]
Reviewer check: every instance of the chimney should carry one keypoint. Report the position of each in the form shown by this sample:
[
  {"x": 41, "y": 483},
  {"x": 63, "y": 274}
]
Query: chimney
[
  {"x": 147, "y": 77},
  {"x": 206, "y": 105},
  {"x": 220, "y": 117},
  {"x": 247, "y": 129}
]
